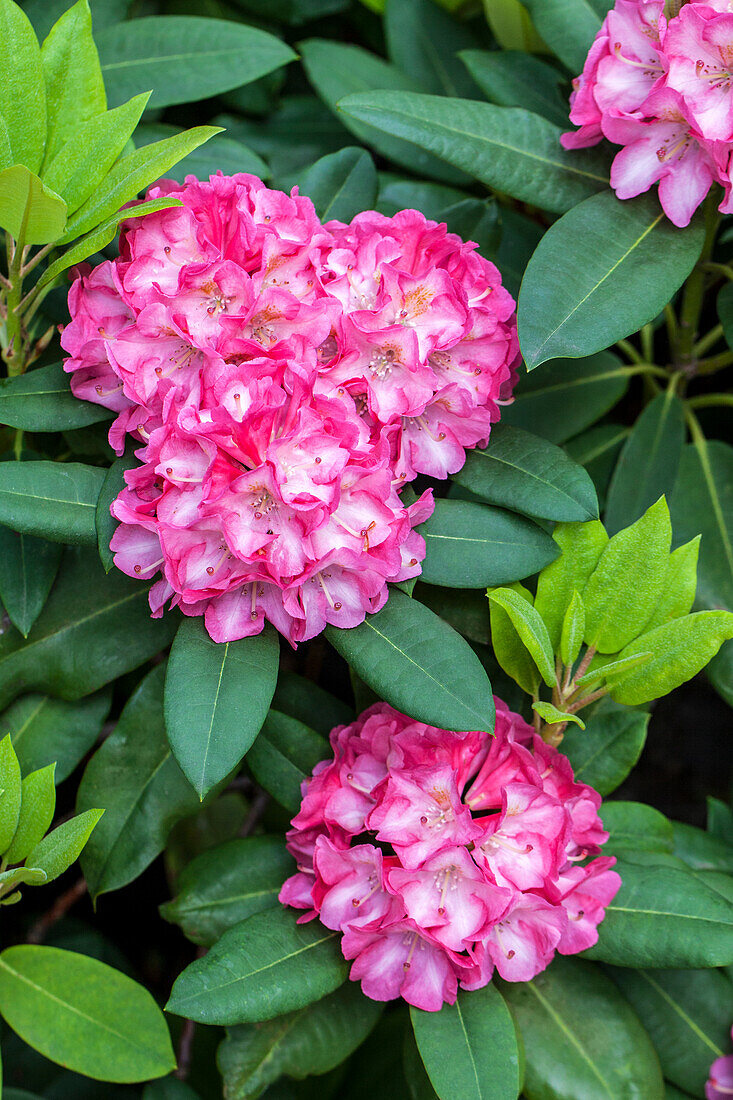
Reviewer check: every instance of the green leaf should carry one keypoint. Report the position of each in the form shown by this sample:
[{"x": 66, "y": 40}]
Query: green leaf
[
  {"x": 42, "y": 401},
  {"x": 423, "y": 41},
  {"x": 46, "y": 730},
  {"x": 470, "y": 1049},
  {"x": 38, "y": 802},
  {"x": 567, "y": 395},
  {"x": 583, "y": 1041},
  {"x": 633, "y": 826},
  {"x": 6, "y": 153},
  {"x": 699, "y": 505},
  {"x": 604, "y": 754},
  {"x": 10, "y": 786},
  {"x": 680, "y": 584},
  {"x": 687, "y": 1015},
  {"x": 474, "y": 545},
  {"x": 22, "y": 90},
  {"x": 725, "y": 311},
  {"x": 603, "y": 670},
  {"x": 527, "y": 474},
  {"x": 284, "y": 754},
  {"x": 647, "y": 467},
  {"x": 465, "y": 610},
  {"x": 55, "y": 500},
  {"x": 509, "y": 649},
  {"x": 519, "y": 238},
  {"x": 341, "y": 184},
  {"x": 28, "y": 209},
  {"x": 680, "y": 648},
  {"x": 131, "y": 175},
  {"x": 582, "y": 545},
  {"x": 531, "y": 629},
  {"x": 169, "y": 1088},
  {"x": 626, "y": 585},
  {"x": 262, "y": 967},
  {"x": 112, "y": 486},
  {"x": 335, "y": 70},
  {"x": 700, "y": 850},
  {"x": 74, "y": 85},
  {"x": 79, "y": 166},
  {"x": 664, "y": 916},
  {"x": 310, "y": 704},
  {"x": 219, "y": 152},
  {"x": 310, "y": 1041},
  {"x": 28, "y": 568},
  {"x": 57, "y": 851},
  {"x": 134, "y": 776},
  {"x": 81, "y": 1013},
  {"x": 507, "y": 148},
  {"x": 550, "y": 714},
  {"x": 512, "y": 78},
  {"x": 569, "y": 26},
  {"x": 598, "y": 451},
  {"x": 216, "y": 699},
  {"x": 573, "y": 630},
  {"x": 419, "y": 665},
  {"x": 226, "y": 884},
  {"x": 622, "y": 261},
  {"x": 185, "y": 58}
]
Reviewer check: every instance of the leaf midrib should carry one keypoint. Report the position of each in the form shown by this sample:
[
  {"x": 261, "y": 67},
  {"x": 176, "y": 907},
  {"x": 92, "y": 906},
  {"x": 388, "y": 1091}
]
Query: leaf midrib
[
  {"x": 705, "y": 1039},
  {"x": 560, "y": 1023}
]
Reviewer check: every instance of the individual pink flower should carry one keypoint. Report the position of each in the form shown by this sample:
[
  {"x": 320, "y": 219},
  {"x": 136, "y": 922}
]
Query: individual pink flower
[{"x": 720, "y": 1083}]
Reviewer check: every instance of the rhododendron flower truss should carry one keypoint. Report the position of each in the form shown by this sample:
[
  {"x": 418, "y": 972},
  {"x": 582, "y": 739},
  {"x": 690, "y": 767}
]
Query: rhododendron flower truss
[
  {"x": 285, "y": 380},
  {"x": 661, "y": 88},
  {"x": 445, "y": 856}
]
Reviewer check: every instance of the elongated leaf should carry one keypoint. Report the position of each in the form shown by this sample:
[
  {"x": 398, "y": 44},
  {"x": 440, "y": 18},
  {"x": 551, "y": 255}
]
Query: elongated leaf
[
  {"x": 47, "y": 731},
  {"x": 526, "y": 473},
  {"x": 74, "y": 85},
  {"x": 11, "y": 787},
  {"x": 226, "y": 884},
  {"x": 598, "y": 451},
  {"x": 507, "y": 148},
  {"x": 605, "y": 752},
  {"x": 284, "y": 754},
  {"x": 28, "y": 568},
  {"x": 700, "y": 850},
  {"x": 185, "y": 58},
  {"x": 623, "y": 261},
  {"x": 341, "y": 184},
  {"x": 582, "y": 545},
  {"x": 83, "y": 1014},
  {"x": 28, "y": 209},
  {"x": 112, "y": 486},
  {"x": 57, "y": 851},
  {"x": 512, "y": 78},
  {"x": 310, "y": 1041},
  {"x": 699, "y": 505},
  {"x": 41, "y": 401},
  {"x": 568, "y": 26},
  {"x": 583, "y": 1041},
  {"x": 470, "y": 1048},
  {"x": 649, "y": 461},
  {"x": 6, "y": 153},
  {"x": 573, "y": 630},
  {"x": 531, "y": 629},
  {"x": 416, "y": 662},
  {"x": 509, "y": 649},
  {"x": 219, "y": 153},
  {"x": 633, "y": 826},
  {"x": 22, "y": 90},
  {"x": 309, "y": 703},
  {"x": 664, "y": 916},
  {"x": 37, "y": 805},
  {"x": 473, "y": 545},
  {"x": 686, "y": 1013},
  {"x": 680, "y": 584},
  {"x": 261, "y": 968},
  {"x": 424, "y": 41},
  {"x": 549, "y": 713},
  {"x": 143, "y": 791},
  {"x": 216, "y": 699},
  {"x": 68, "y": 651},
  {"x": 55, "y": 500},
  {"x": 567, "y": 395}
]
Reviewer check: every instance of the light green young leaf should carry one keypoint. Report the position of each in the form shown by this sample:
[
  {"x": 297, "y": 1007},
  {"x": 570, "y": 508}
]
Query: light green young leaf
[
  {"x": 28, "y": 209},
  {"x": 74, "y": 85},
  {"x": 550, "y": 714},
  {"x": 582, "y": 545},
  {"x": 509, "y": 649},
  {"x": 625, "y": 586},
  {"x": 6, "y": 153},
  {"x": 38, "y": 802},
  {"x": 530, "y": 628},
  {"x": 22, "y": 90},
  {"x": 21, "y": 876},
  {"x": 611, "y": 671},
  {"x": 680, "y": 584},
  {"x": 57, "y": 851},
  {"x": 10, "y": 792},
  {"x": 573, "y": 629}
]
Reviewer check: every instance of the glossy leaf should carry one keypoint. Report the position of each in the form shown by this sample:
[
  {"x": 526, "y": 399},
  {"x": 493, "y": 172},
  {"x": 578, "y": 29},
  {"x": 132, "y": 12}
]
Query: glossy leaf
[
  {"x": 143, "y": 791},
  {"x": 216, "y": 699},
  {"x": 699, "y": 506},
  {"x": 54, "y": 500},
  {"x": 74, "y": 85},
  {"x": 185, "y": 58},
  {"x": 310, "y": 704},
  {"x": 22, "y": 90},
  {"x": 220, "y": 152},
  {"x": 10, "y": 785},
  {"x": 416, "y": 662},
  {"x": 622, "y": 262},
  {"x": 700, "y": 850},
  {"x": 341, "y": 184},
  {"x": 568, "y": 26},
  {"x": 284, "y": 754},
  {"x": 226, "y": 884},
  {"x": 424, "y": 41},
  {"x": 38, "y": 802},
  {"x": 512, "y": 78},
  {"x": 634, "y": 826},
  {"x": 28, "y": 568},
  {"x": 582, "y": 1040},
  {"x": 465, "y": 610},
  {"x": 509, "y": 649},
  {"x": 81, "y": 1013},
  {"x": 57, "y": 851},
  {"x": 582, "y": 545},
  {"x": 470, "y": 1049},
  {"x": 310, "y": 1041},
  {"x": 47, "y": 731},
  {"x": 262, "y": 967},
  {"x": 527, "y": 474},
  {"x": 507, "y": 148},
  {"x": 42, "y": 401},
  {"x": 647, "y": 467},
  {"x": 598, "y": 450},
  {"x": 609, "y": 747},
  {"x": 473, "y": 545},
  {"x": 28, "y": 208},
  {"x": 530, "y": 628}
]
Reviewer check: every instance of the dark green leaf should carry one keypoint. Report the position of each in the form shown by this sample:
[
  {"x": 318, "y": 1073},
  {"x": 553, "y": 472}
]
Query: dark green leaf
[
  {"x": 143, "y": 791},
  {"x": 598, "y": 451},
  {"x": 54, "y": 500},
  {"x": 42, "y": 401},
  {"x": 219, "y": 153},
  {"x": 604, "y": 753},
  {"x": 519, "y": 238},
  {"x": 81, "y": 1013},
  {"x": 341, "y": 184},
  {"x": 28, "y": 568},
  {"x": 423, "y": 41},
  {"x": 700, "y": 504},
  {"x": 310, "y": 704},
  {"x": 416, "y": 662},
  {"x": 725, "y": 312},
  {"x": 169, "y": 1088},
  {"x": 112, "y": 486},
  {"x": 28, "y": 208},
  {"x": 700, "y": 850},
  {"x": 261, "y": 968},
  {"x": 507, "y": 148},
  {"x": 633, "y": 826},
  {"x": 284, "y": 754},
  {"x": 512, "y": 78},
  {"x": 476, "y": 220},
  {"x": 22, "y": 91},
  {"x": 465, "y": 610},
  {"x": 57, "y": 851},
  {"x": 569, "y": 26},
  {"x": 46, "y": 731}
]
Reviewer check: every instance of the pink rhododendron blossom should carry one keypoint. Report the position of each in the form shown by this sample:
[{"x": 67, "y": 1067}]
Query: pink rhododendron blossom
[
  {"x": 661, "y": 88},
  {"x": 720, "y": 1082},
  {"x": 445, "y": 856},
  {"x": 284, "y": 380}
]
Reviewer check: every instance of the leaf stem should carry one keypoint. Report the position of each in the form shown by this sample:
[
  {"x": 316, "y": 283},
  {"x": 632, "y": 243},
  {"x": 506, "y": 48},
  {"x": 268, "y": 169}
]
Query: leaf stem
[
  {"x": 710, "y": 400},
  {"x": 708, "y": 341},
  {"x": 693, "y": 297}
]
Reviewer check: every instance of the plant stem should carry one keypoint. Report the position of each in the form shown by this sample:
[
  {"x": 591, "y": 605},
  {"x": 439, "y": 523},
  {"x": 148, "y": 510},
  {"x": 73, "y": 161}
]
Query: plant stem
[
  {"x": 710, "y": 400},
  {"x": 694, "y": 293},
  {"x": 647, "y": 342},
  {"x": 714, "y": 363},
  {"x": 708, "y": 341},
  {"x": 629, "y": 351},
  {"x": 13, "y": 350}
]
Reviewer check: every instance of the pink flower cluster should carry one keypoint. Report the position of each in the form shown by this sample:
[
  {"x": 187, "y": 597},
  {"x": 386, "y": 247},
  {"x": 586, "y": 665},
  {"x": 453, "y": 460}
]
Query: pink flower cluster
[
  {"x": 441, "y": 856},
  {"x": 661, "y": 88},
  {"x": 720, "y": 1082},
  {"x": 286, "y": 379}
]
